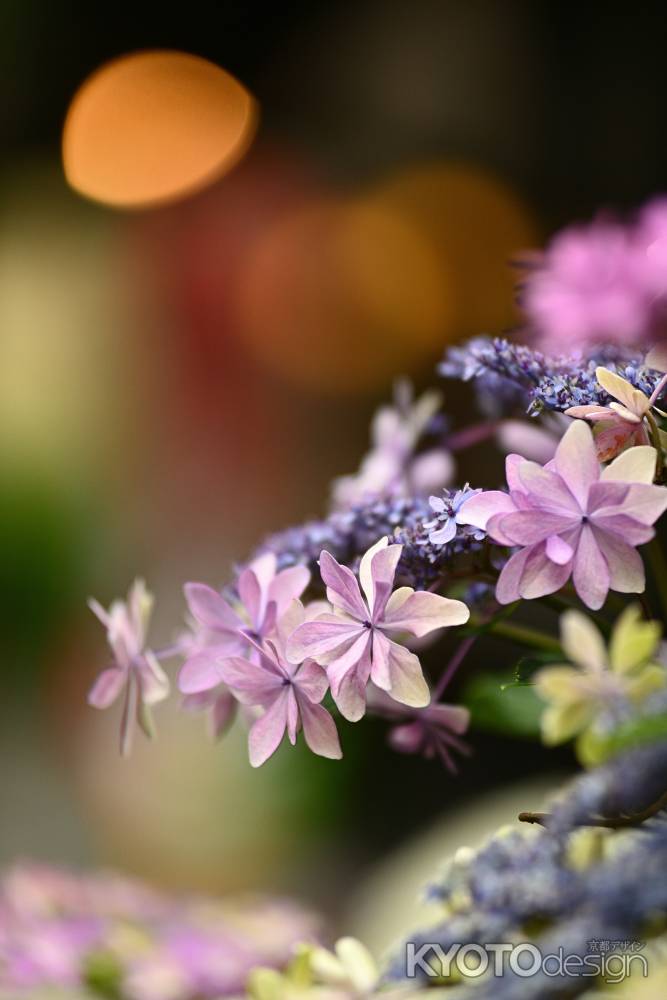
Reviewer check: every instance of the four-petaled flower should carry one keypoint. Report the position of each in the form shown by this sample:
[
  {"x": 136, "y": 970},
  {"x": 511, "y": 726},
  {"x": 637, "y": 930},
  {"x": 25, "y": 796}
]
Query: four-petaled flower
[
  {"x": 288, "y": 693},
  {"x": 572, "y": 518},
  {"x": 447, "y": 509},
  {"x": 264, "y": 595},
  {"x": 622, "y": 423},
  {"x": 352, "y": 643},
  {"x": 599, "y": 680},
  {"x": 135, "y": 668}
]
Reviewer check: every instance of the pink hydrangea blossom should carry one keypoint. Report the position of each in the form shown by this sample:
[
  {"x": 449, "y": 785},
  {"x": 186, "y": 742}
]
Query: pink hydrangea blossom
[
  {"x": 572, "y": 518},
  {"x": 135, "y": 669},
  {"x": 352, "y": 643},
  {"x": 589, "y": 288},
  {"x": 289, "y": 694}
]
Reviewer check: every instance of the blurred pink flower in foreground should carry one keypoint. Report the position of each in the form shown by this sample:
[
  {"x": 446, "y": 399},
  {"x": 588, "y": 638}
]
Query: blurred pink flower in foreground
[
  {"x": 352, "y": 643},
  {"x": 136, "y": 668},
  {"x": 571, "y": 518}
]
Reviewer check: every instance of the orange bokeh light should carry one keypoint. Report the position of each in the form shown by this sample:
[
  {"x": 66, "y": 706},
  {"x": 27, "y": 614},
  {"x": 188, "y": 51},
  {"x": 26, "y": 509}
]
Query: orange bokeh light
[
  {"x": 342, "y": 293},
  {"x": 154, "y": 126}
]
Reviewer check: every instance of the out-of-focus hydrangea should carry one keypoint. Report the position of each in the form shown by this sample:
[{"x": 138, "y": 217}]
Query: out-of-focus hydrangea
[
  {"x": 599, "y": 681},
  {"x": 393, "y": 467},
  {"x": 112, "y": 936}
]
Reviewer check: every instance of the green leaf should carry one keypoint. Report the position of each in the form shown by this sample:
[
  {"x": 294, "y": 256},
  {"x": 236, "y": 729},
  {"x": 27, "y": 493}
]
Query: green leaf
[{"x": 503, "y": 707}]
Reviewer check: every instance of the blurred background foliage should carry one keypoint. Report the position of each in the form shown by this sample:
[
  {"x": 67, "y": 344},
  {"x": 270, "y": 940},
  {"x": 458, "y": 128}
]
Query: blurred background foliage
[{"x": 176, "y": 382}]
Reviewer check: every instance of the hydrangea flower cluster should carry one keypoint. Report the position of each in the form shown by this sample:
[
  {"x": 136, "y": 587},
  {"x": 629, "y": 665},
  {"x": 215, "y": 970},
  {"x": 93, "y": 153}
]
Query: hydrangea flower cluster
[
  {"x": 346, "y": 616},
  {"x": 112, "y": 936}
]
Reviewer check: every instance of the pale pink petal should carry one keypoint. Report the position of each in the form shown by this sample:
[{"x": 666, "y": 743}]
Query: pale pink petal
[
  {"x": 264, "y": 568},
  {"x": 342, "y": 587},
  {"x": 199, "y": 673},
  {"x": 612, "y": 436},
  {"x": 626, "y": 567},
  {"x": 319, "y": 730},
  {"x": 494, "y": 529},
  {"x": 527, "y": 527},
  {"x": 422, "y": 612},
  {"x": 645, "y": 503},
  {"x": 507, "y": 588},
  {"x": 223, "y": 714},
  {"x": 383, "y": 571},
  {"x": 312, "y": 681},
  {"x": 431, "y": 471},
  {"x": 322, "y": 639},
  {"x": 250, "y": 682},
  {"x": 100, "y": 613},
  {"x": 152, "y": 678},
  {"x": 288, "y": 585},
  {"x": 636, "y": 465},
  {"x": 590, "y": 573},
  {"x": 558, "y": 550},
  {"x": 542, "y": 576},
  {"x": 252, "y": 597},
  {"x": 576, "y": 460},
  {"x": 355, "y": 657},
  {"x": 627, "y": 415},
  {"x": 366, "y": 570},
  {"x": 267, "y": 732},
  {"x": 380, "y": 657},
  {"x": 408, "y": 685},
  {"x": 350, "y": 698},
  {"x": 591, "y": 412},
  {"x": 512, "y": 465},
  {"x": 209, "y": 608},
  {"x": 478, "y": 509},
  {"x": 607, "y": 495},
  {"x": 107, "y": 687},
  {"x": 292, "y": 715}
]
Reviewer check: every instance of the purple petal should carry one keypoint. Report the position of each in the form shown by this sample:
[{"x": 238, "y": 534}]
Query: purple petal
[
  {"x": 626, "y": 567},
  {"x": 107, "y": 687},
  {"x": 622, "y": 526},
  {"x": 267, "y": 732},
  {"x": 420, "y": 612},
  {"x": 453, "y": 717},
  {"x": 437, "y": 504},
  {"x": 558, "y": 550},
  {"x": 210, "y": 609},
  {"x": 607, "y": 494},
  {"x": 319, "y": 730},
  {"x": 342, "y": 587},
  {"x": 288, "y": 585},
  {"x": 590, "y": 573},
  {"x": 541, "y": 576},
  {"x": 509, "y": 581},
  {"x": 322, "y": 639},
  {"x": 444, "y": 534},
  {"x": 576, "y": 461},
  {"x": 546, "y": 490},
  {"x": 527, "y": 527},
  {"x": 480, "y": 508}
]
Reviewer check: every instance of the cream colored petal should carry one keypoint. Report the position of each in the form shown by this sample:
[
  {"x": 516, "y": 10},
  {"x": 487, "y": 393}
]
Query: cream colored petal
[
  {"x": 636, "y": 465},
  {"x": 622, "y": 390},
  {"x": 651, "y": 679},
  {"x": 582, "y": 641},
  {"x": 633, "y": 640},
  {"x": 560, "y": 684},
  {"x": 561, "y": 722}
]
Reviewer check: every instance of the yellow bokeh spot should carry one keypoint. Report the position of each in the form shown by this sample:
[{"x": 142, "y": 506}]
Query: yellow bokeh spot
[
  {"x": 154, "y": 126},
  {"x": 342, "y": 294}
]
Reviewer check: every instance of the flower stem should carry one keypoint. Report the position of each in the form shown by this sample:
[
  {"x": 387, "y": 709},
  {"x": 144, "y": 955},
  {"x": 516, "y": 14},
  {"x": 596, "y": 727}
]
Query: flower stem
[
  {"x": 520, "y": 634},
  {"x": 656, "y": 558},
  {"x": 655, "y": 438},
  {"x": 453, "y": 665}
]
